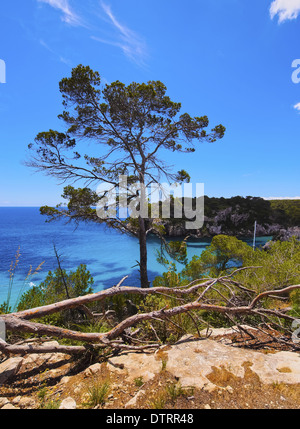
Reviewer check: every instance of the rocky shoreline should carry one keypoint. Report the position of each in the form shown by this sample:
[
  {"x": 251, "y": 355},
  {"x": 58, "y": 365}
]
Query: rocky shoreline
[
  {"x": 210, "y": 231},
  {"x": 228, "y": 222}
]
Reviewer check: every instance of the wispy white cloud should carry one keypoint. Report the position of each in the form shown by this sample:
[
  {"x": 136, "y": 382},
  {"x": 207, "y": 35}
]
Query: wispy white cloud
[
  {"x": 297, "y": 107},
  {"x": 129, "y": 42},
  {"x": 285, "y": 9},
  {"x": 68, "y": 15},
  {"x": 60, "y": 57},
  {"x": 132, "y": 45}
]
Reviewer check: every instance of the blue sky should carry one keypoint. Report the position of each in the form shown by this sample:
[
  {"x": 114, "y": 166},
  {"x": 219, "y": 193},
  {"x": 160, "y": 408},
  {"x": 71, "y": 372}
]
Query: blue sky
[{"x": 228, "y": 59}]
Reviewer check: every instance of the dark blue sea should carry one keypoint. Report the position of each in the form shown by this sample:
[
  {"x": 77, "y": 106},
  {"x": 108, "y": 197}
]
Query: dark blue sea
[{"x": 109, "y": 255}]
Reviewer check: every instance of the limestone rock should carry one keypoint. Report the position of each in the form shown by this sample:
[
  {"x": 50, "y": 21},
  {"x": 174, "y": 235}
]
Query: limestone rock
[
  {"x": 192, "y": 361},
  {"x": 68, "y": 404},
  {"x": 229, "y": 389},
  {"x": 27, "y": 402},
  {"x": 9, "y": 368},
  {"x": 133, "y": 401},
  {"x": 65, "y": 380},
  {"x": 136, "y": 365},
  {"x": 43, "y": 359},
  {"x": 92, "y": 370},
  {"x": 9, "y": 407},
  {"x": 3, "y": 401}
]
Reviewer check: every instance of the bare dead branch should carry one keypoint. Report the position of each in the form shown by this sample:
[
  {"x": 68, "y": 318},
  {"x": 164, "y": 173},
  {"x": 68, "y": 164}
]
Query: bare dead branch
[
  {"x": 273, "y": 292},
  {"x": 20, "y": 321},
  {"x": 47, "y": 310},
  {"x": 28, "y": 349}
]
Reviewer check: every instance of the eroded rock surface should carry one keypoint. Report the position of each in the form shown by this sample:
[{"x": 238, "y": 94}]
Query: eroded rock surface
[
  {"x": 212, "y": 371},
  {"x": 192, "y": 360}
]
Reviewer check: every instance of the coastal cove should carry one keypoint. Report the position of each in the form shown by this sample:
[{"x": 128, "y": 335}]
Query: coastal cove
[{"x": 109, "y": 255}]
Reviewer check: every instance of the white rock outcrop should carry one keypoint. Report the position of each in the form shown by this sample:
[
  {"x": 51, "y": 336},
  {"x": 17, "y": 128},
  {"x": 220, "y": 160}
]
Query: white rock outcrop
[
  {"x": 9, "y": 368},
  {"x": 68, "y": 404},
  {"x": 192, "y": 361}
]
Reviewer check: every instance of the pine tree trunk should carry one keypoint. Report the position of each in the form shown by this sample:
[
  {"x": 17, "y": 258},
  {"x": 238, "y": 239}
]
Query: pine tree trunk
[{"x": 143, "y": 254}]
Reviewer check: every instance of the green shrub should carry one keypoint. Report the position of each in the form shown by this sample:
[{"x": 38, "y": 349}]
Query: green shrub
[
  {"x": 97, "y": 393},
  {"x": 58, "y": 286}
]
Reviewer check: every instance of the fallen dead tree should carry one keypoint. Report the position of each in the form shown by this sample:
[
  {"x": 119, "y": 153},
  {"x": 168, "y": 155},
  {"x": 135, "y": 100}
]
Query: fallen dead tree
[{"x": 232, "y": 306}]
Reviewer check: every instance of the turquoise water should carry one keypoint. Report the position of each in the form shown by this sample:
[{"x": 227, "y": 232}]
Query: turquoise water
[{"x": 109, "y": 256}]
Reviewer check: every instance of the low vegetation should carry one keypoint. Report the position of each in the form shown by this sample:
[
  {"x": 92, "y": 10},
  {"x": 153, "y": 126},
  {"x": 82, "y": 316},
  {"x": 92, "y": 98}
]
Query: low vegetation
[
  {"x": 97, "y": 393},
  {"x": 229, "y": 284}
]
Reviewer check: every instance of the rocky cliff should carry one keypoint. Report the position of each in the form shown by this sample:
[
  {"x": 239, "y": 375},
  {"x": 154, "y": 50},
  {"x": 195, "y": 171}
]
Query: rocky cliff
[{"x": 238, "y": 222}]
